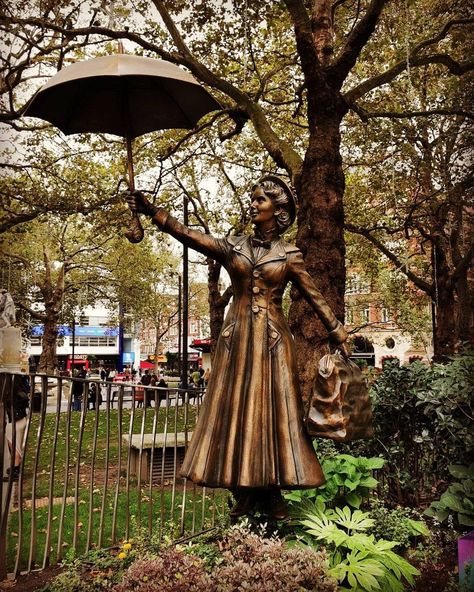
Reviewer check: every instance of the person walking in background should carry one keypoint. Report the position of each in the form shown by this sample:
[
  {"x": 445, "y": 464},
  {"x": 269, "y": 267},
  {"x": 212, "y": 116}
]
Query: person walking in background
[
  {"x": 17, "y": 423},
  {"x": 78, "y": 390},
  {"x": 195, "y": 377},
  {"x": 201, "y": 377},
  {"x": 162, "y": 394},
  {"x": 146, "y": 381}
]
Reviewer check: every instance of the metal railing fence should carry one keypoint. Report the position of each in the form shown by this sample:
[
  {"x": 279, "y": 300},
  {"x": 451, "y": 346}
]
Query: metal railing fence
[{"x": 93, "y": 472}]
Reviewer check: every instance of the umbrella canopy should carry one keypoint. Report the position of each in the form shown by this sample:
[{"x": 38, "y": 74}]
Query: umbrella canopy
[
  {"x": 121, "y": 94},
  {"x": 124, "y": 95}
]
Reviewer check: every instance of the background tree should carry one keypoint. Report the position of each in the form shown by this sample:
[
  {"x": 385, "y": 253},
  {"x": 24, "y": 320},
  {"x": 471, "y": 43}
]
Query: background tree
[
  {"x": 422, "y": 222},
  {"x": 59, "y": 265}
]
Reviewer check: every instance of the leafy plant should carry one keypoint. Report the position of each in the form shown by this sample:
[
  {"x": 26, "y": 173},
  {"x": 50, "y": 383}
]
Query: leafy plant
[
  {"x": 436, "y": 557},
  {"x": 170, "y": 571},
  {"x": 423, "y": 420},
  {"x": 246, "y": 561},
  {"x": 348, "y": 481},
  {"x": 397, "y": 524},
  {"x": 458, "y": 499},
  {"x": 357, "y": 560}
]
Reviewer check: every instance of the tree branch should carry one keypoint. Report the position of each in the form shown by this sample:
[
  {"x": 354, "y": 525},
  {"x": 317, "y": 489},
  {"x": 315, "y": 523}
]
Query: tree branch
[
  {"x": 356, "y": 41},
  {"x": 17, "y": 219},
  {"x": 34, "y": 313},
  {"x": 419, "y": 282},
  {"x": 299, "y": 16},
  {"x": 366, "y": 115},
  {"x": 464, "y": 264},
  {"x": 413, "y": 60},
  {"x": 226, "y": 296},
  {"x": 281, "y": 152}
]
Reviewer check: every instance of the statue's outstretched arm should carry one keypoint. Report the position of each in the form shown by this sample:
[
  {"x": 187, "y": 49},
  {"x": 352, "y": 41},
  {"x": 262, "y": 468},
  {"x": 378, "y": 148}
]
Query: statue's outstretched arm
[
  {"x": 206, "y": 244},
  {"x": 305, "y": 284}
]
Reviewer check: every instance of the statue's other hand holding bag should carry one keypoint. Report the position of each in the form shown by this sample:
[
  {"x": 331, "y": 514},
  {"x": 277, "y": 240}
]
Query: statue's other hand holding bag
[{"x": 339, "y": 407}]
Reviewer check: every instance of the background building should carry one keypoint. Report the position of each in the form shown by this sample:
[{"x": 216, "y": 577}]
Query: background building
[
  {"x": 93, "y": 340},
  {"x": 170, "y": 342},
  {"x": 375, "y": 334}
]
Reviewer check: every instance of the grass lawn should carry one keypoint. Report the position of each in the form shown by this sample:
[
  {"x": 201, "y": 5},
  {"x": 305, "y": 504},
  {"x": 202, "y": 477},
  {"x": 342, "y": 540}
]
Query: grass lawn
[{"x": 158, "y": 509}]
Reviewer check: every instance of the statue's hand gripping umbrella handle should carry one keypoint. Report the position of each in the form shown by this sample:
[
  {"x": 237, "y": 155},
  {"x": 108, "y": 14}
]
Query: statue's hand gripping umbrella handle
[{"x": 135, "y": 232}]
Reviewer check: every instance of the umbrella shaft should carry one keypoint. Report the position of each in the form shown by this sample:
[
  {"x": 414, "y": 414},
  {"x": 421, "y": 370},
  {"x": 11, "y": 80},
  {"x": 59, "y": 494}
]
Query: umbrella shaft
[{"x": 131, "y": 175}]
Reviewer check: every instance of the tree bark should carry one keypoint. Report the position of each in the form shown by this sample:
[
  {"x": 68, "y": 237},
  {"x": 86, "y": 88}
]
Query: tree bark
[
  {"x": 48, "y": 358},
  {"x": 158, "y": 336},
  {"x": 453, "y": 323},
  {"x": 217, "y": 301},
  {"x": 321, "y": 240}
]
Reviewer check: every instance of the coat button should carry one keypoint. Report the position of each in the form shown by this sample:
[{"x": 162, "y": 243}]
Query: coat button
[
  {"x": 274, "y": 334},
  {"x": 281, "y": 254},
  {"x": 226, "y": 334},
  {"x": 238, "y": 247},
  {"x": 256, "y": 274},
  {"x": 255, "y": 308},
  {"x": 255, "y": 289}
]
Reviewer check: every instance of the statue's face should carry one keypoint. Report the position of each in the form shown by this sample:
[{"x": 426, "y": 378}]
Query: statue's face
[{"x": 262, "y": 208}]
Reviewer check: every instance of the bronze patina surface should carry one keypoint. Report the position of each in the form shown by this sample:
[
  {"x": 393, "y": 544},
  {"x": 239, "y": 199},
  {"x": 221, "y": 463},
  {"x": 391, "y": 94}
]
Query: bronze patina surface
[{"x": 250, "y": 432}]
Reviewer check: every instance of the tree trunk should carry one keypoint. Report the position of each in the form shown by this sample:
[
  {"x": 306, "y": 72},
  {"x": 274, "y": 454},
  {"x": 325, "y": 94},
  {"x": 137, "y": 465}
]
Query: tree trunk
[
  {"x": 447, "y": 331},
  {"x": 48, "y": 358},
  {"x": 465, "y": 316},
  {"x": 156, "y": 364},
  {"x": 445, "y": 341},
  {"x": 217, "y": 302},
  {"x": 320, "y": 237},
  {"x": 453, "y": 326}
]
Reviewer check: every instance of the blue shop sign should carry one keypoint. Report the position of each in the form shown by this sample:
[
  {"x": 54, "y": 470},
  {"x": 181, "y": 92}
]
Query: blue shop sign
[
  {"x": 66, "y": 330},
  {"x": 128, "y": 357}
]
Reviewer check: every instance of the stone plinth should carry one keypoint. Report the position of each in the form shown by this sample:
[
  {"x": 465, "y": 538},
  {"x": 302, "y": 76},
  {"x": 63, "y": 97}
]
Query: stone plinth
[{"x": 10, "y": 349}]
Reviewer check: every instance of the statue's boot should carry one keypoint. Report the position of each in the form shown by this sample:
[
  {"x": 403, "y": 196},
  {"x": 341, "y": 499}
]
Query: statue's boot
[
  {"x": 276, "y": 505},
  {"x": 244, "y": 502}
]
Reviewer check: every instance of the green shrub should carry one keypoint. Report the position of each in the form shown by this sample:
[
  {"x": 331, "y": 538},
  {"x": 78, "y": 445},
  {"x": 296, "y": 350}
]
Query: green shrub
[
  {"x": 357, "y": 560},
  {"x": 423, "y": 422},
  {"x": 397, "y": 524},
  {"x": 458, "y": 499},
  {"x": 247, "y": 561},
  {"x": 349, "y": 480},
  {"x": 265, "y": 564}
]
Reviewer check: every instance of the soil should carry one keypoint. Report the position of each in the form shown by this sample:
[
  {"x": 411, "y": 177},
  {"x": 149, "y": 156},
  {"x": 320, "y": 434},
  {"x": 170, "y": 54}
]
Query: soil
[{"x": 33, "y": 581}]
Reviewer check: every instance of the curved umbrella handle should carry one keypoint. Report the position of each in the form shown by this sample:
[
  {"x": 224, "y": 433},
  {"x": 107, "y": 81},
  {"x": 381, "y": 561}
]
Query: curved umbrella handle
[{"x": 135, "y": 232}]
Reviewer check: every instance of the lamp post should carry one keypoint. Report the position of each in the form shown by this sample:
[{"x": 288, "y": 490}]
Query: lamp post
[
  {"x": 73, "y": 355},
  {"x": 120, "y": 338},
  {"x": 185, "y": 292}
]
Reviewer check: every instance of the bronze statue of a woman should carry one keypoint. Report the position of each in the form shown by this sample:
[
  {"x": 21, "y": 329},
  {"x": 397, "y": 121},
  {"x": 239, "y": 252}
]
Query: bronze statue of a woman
[{"x": 250, "y": 437}]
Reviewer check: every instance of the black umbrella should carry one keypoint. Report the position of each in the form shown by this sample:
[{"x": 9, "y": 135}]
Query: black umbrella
[{"x": 124, "y": 95}]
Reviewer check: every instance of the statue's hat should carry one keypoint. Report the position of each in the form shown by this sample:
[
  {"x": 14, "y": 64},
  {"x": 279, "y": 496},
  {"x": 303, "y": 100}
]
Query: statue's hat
[{"x": 287, "y": 188}]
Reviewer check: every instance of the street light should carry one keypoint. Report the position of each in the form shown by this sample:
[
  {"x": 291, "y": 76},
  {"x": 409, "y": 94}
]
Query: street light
[{"x": 184, "y": 367}]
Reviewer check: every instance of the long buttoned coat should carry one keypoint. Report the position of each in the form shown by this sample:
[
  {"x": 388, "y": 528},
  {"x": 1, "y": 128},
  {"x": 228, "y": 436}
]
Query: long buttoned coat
[{"x": 250, "y": 429}]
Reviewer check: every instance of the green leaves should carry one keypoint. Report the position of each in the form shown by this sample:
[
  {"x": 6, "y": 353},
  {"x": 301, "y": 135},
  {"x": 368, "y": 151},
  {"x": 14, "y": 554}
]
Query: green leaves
[
  {"x": 458, "y": 499},
  {"x": 348, "y": 481},
  {"x": 357, "y": 559},
  {"x": 422, "y": 418},
  {"x": 361, "y": 572},
  {"x": 351, "y": 521}
]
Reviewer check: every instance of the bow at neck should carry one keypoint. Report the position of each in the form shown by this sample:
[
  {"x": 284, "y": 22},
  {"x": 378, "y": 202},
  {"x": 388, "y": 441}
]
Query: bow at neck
[{"x": 256, "y": 242}]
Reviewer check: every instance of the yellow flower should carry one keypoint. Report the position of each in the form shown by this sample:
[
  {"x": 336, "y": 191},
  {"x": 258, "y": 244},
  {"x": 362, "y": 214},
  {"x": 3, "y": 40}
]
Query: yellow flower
[
  {"x": 127, "y": 546},
  {"x": 122, "y": 555}
]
